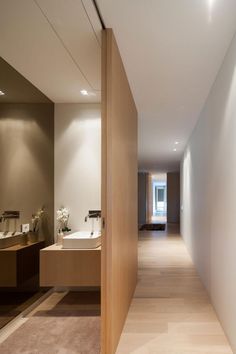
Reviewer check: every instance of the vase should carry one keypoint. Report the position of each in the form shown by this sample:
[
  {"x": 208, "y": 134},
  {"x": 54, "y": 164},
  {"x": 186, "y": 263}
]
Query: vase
[
  {"x": 33, "y": 237},
  {"x": 60, "y": 235},
  {"x": 24, "y": 239}
]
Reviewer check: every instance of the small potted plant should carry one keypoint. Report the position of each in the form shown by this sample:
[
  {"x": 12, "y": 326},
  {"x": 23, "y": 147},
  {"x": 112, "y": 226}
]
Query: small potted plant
[
  {"x": 36, "y": 223},
  {"x": 62, "y": 219}
]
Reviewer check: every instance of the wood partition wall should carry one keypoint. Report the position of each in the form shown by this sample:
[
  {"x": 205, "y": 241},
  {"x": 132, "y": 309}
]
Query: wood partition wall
[{"x": 119, "y": 194}]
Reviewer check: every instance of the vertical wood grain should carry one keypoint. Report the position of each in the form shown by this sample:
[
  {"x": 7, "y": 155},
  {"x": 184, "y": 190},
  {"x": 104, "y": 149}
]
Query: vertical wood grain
[{"x": 119, "y": 194}]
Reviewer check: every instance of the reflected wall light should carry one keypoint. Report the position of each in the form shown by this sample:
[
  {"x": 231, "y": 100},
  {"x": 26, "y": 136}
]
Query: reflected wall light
[{"x": 84, "y": 92}]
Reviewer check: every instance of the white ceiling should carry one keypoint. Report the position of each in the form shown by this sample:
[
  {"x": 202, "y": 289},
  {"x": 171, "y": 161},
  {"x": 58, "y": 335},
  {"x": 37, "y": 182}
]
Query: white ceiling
[
  {"x": 172, "y": 51},
  {"x": 55, "y": 44}
]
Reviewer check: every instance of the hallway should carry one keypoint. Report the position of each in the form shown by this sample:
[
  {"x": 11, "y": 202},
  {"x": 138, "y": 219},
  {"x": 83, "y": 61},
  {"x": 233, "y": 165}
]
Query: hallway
[{"x": 170, "y": 312}]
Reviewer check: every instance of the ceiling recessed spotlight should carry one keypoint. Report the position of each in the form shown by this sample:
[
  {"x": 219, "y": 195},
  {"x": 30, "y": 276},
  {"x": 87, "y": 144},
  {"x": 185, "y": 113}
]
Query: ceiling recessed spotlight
[
  {"x": 84, "y": 92},
  {"x": 2, "y": 93},
  {"x": 174, "y": 149},
  {"x": 177, "y": 142}
]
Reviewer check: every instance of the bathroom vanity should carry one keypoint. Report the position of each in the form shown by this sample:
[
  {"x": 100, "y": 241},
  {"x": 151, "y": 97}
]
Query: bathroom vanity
[
  {"x": 10, "y": 239},
  {"x": 19, "y": 263},
  {"x": 70, "y": 267}
]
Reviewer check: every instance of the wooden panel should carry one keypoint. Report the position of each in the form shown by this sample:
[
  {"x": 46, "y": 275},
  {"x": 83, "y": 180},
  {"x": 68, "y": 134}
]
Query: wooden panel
[
  {"x": 150, "y": 198},
  {"x": 173, "y": 197},
  {"x": 70, "y": 267},
  {"x": 119, "y": 194},
  {"x": 142, "y": 198},
  {"x": 19, "y": 263},
  {"x": 8, "y": 269}
]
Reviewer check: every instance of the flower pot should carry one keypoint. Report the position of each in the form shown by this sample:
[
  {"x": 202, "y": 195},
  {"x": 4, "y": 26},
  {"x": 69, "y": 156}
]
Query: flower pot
[
  {"x": 60, "y": 235},
  {"x": 24, "y": 240},
  {"x": 33, "y": 237}
]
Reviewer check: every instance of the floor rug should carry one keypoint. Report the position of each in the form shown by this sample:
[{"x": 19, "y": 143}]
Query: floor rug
[
  {"x": 55, "y": 335},
  {"x": 153, "y": 227},
  {"x": 83, "y": 303},
  {"x": 13, "y": 303}
]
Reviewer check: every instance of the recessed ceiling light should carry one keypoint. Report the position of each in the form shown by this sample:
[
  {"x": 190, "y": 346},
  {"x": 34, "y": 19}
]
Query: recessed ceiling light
[
  {"x": 174, "y": 149},
  {"x": 84, "y": 92},
  {"x": 2, "y": 93},
  {"x": 177, "y": 142}
]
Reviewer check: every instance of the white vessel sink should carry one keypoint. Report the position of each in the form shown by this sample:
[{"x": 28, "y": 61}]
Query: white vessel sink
[
  {"x": 9, "y": 240},
  {"x": 82, "y": 239}
]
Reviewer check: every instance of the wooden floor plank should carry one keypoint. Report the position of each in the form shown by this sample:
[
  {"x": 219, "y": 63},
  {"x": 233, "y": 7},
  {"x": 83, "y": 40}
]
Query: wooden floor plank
[{"x": 171, "y": 312}]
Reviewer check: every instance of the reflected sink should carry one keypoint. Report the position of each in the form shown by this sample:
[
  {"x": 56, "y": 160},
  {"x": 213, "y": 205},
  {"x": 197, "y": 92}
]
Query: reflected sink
[
  {"x": 82, "y": 239},
  {"x": 8, "y": 240}
]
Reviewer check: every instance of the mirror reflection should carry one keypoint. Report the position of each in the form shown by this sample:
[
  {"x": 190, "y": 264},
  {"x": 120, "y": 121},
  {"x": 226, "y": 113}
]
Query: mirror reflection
[
  {"x": 26, "y": 189},
  {"x": 50, "y": 175}
]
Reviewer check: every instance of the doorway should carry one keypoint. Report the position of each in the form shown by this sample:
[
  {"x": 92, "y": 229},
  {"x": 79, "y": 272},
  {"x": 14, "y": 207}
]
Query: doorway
[{"x": 159, "y": 198}]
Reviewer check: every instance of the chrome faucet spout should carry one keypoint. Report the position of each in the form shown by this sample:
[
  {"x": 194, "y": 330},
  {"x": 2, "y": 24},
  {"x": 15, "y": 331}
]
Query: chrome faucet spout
[
  {"x": 89, "y": 216},
  {"x": 9, "y": 214},
  {"x": 96, "y": 214}
]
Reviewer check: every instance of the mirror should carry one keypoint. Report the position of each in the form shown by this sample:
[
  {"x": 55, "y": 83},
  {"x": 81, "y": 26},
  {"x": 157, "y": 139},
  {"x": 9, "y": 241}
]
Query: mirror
[
  {"x": 26, "y": 188},
  {"x": 50, "y": 161}
]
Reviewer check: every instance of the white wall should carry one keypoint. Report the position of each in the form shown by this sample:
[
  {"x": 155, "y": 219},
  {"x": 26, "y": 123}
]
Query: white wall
[
  {"x": 78, "y": 161},
  {"x": 208, "y": 195}
]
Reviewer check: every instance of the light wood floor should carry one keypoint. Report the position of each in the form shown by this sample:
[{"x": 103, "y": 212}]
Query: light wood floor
[
  {"x": 170, "y": 312},
  {"x": 157, "y": 219}
]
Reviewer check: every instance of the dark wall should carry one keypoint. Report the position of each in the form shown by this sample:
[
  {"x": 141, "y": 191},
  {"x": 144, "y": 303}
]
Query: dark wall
[
  {"x": 142, "y": 197},
  {"x": 173, "y": 197},
  {"x": 27, "y": 161}
]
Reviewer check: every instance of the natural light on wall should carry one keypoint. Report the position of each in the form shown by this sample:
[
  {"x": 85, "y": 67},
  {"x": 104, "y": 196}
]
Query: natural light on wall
[
  {"x": 159, "y": 198},
  {"x": 210, "y": 9},
  {"x": 186, "y": 199}
]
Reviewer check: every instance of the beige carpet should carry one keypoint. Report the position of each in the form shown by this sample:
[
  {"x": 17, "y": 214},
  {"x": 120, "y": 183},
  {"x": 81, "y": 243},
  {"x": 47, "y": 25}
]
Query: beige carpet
[
  {"x": 84, "y": 303},
  {"x": 55, "y": 335},
  {"x": 71, "y": 326},
  {"x": 12, "y": 303}
]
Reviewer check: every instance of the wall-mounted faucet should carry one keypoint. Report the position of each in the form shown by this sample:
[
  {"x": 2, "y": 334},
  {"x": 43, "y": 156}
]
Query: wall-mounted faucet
[{"x": 93, "y": 214}]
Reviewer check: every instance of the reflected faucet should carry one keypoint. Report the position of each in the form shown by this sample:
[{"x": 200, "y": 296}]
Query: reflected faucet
[{"x": 9, "y": 214}]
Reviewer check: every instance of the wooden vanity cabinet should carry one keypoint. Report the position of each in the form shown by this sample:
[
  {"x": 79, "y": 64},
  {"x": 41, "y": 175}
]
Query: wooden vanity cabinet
[{"x": 19, "y": 263}]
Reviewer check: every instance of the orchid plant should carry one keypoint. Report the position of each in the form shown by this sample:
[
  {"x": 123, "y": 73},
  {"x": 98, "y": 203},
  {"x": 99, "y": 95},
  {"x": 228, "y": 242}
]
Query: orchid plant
[
  {"x": 36, "y": 219},
  {"x": 62, "y": 218}
]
